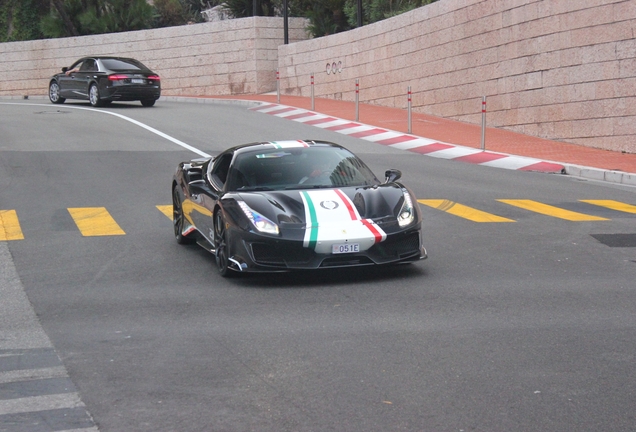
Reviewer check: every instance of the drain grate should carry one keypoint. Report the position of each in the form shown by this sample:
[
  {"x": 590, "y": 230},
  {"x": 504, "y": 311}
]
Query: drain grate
[{"x": 616, "y": 240}]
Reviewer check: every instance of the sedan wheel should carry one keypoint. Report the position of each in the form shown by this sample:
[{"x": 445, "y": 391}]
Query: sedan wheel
[
  {"x": 93, "y": 96},
  {"x": 178, "y": 220},
  {"x": 221, "y": 246},
  {"x": 54, "y": 93},
  {"x": 147, "y": 102}
]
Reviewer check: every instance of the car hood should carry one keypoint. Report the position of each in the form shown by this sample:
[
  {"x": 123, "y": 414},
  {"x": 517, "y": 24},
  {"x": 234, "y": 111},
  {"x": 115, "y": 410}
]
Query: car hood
[{"x": 288, "y": 208}]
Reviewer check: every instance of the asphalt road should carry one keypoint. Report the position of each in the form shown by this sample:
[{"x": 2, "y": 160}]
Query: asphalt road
[{"x": 508, "y": 326}]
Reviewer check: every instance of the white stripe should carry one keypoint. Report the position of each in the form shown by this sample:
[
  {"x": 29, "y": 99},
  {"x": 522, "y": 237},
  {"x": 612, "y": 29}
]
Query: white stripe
[
  {"x": 419, "y": 142},
  {"x": 311, "y": 118},
  {"x": 332, "y": 123},
  {"x": 455, "y": 152},
  {"x": 382, "y": 136},
  {"x": 138, "y": 123},
  {"x": 355, "y": 129},
  {"x": 290, "y": 113},
  {"x": 511, "y": 162},
  {"x": 269, "y": 109},
  {"x": 40, "y": 403},
  {"x": 92, "y": 429},
  {"x": 33, "y": 374}
]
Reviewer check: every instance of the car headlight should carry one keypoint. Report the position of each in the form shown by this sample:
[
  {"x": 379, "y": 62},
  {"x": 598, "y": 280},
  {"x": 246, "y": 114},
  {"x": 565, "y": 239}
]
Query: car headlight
[
  {"x": 260, "y": 222},
  {"x": 406, "y": 216}
]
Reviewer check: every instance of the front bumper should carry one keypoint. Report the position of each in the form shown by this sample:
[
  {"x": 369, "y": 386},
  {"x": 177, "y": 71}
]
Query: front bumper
[{"x": 254, "y": 253}]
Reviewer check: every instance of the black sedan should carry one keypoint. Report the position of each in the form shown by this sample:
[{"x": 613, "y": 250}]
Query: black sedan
[
  {"x": 285, "y": 205},
  {"x": 102, "y": 80}
]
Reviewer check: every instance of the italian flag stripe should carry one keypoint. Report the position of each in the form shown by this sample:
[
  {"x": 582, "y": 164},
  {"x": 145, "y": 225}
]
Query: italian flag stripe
[
  {"x": 312, "y": 224},
  {"x": 378, "y": 236},
  {"x": 345, "y": 199}
]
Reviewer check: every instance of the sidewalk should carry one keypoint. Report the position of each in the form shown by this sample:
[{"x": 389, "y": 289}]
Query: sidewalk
[{"x": 576, "y": 160}]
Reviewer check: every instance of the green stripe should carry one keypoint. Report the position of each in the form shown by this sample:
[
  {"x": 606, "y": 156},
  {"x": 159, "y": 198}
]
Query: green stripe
[{"x": 313, "y": 235}]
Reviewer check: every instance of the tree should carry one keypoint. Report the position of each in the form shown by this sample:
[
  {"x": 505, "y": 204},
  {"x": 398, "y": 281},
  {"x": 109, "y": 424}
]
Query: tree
[
  {"x": 84, "y": 17},
  {"x": 19, "y": 19}
]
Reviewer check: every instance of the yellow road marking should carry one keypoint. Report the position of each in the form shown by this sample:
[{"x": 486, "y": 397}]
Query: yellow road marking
[
  {"x": 613, "y": 205},
  {"x": 463, "y": 211},
  {"x": 95, "y": 221},
  {"x": 549, "y": 210},
  {"x": 166, "y": 209},
  {"x": 10, "y": 226}
]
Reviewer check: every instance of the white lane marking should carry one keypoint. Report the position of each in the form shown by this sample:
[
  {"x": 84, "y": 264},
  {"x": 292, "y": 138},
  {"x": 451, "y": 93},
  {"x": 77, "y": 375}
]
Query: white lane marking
[
  {"x": 128, "y": 119},
  {"x": 33, "y": 374},
  {"x": 40, "y": 403}
]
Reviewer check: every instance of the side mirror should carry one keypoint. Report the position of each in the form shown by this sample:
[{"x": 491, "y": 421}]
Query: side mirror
[
  {"x": 64, "y": 69},
  {"x": 392, "y": 175}
]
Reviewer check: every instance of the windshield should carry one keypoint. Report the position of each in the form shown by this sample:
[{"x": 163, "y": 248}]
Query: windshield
[
  {"x": 298, "y": 168},
  {"x": 122, "y": 65}
]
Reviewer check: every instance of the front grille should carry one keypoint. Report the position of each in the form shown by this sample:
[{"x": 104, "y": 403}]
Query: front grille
[
  {"x": 398, "y": 247},
  {"x": 280, "y": 254}
]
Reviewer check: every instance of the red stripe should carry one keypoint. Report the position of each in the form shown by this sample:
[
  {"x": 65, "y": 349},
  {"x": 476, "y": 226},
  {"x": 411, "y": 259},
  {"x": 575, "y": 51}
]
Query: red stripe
[
  {"x": 303, "y": 143},
  {"x": 323, "y": 120},
  {"x": 283, "y": 110},
  {"x": 366, "y": 133},
  {"x": 544, "y": 167},
  {"x": 373, "y": 229},
  {"x": 262, "y": 107},
  {"x": 396, "y": 140},
  {"x": 345, "y": 200},
  {"x": 480, "y": 157},
  {"x": 431, "y": 148},
  {"x": 301, "y": 115},
  {"x": 344, "y": 126}
]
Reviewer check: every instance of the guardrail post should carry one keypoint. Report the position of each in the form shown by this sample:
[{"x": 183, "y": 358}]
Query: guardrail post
[
  {"x": 357, "y": 100},
  {"x": 312, "y": 93},
  {"x": 483, "y": 123},
  {"x": 409, "y": 111},
  {"x": 277, "y": 86}
]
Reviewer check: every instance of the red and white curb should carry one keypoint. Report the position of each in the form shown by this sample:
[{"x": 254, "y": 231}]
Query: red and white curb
[{"x": 399, "y": 140}]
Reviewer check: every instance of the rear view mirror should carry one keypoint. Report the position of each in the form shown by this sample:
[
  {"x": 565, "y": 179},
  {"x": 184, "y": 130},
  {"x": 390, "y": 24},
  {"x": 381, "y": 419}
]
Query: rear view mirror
[{"x": 392, "y": 175}]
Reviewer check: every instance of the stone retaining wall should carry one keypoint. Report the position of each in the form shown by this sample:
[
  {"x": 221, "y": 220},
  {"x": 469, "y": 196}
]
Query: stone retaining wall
[
  {"x": 557, "y": 69},
  {"x": 218, "y": 58}
]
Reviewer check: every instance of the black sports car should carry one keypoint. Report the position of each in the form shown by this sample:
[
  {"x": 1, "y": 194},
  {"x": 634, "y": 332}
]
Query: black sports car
[
  {"x": 278, "y": 206},
  {"x": 102, "y": 80}
]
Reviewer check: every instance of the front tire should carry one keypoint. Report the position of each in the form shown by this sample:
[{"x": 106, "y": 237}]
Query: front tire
[
  {"x": 178, "y": 219},
  {"x": 54, "y": 93},
  {"x": 221, "y": 246},
  {"x": 93, "y": 96}
]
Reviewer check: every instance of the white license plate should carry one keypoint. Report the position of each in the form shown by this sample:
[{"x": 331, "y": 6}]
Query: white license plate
[
  {"x": 138, "y": 81},
  {"x": 345, "y": 248}
]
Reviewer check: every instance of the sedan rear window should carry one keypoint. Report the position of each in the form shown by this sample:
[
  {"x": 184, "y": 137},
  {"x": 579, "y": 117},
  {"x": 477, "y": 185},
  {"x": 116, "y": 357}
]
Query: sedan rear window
[{"x": 122, "y": 65}]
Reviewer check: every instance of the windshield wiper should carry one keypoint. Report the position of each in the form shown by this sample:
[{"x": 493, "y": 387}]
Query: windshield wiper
[{"x": 254, "y": 188}]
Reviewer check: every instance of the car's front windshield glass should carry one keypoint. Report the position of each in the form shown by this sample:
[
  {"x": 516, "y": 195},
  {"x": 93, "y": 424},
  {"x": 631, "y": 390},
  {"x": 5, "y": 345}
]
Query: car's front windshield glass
[{"x": 316, "y": 166}]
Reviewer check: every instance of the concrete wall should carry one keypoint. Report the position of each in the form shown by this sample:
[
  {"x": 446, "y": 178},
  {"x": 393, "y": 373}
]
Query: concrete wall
[
  {"x": 218, "y": 58},
  {"x": 557, "y": 69}
]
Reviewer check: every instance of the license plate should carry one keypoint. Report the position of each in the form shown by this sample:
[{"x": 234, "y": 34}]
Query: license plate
[
  {"x": 345, "y": 248},
  {"x": 138, "y": 81}
]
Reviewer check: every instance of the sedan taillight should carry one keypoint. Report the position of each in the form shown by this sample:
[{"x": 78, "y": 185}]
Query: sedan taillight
[
  {"x": 117, "y": 77},
  {"x": 154, "y": 77}
]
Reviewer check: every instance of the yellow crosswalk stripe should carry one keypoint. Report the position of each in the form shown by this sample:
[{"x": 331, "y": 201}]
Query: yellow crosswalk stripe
[
  {"x": 95, "y": 221},
  {"x": 549, "y": 210},
  {"x": 166, "y": 209},
  {"x": 613, "y": 205},
  {"x": 463, "y": 211},
  {"x": 10, "y": 226}
]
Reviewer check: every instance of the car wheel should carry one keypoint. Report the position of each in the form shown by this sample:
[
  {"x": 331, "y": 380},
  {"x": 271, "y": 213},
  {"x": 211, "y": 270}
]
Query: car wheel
[
  {"x": 54, "y": 93},
  {"x": 221, "y": 246},
  {"x": 178, "y": 220},
  {"x": 148, "y": 102},
  {"x": 93, "y": 96}
]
